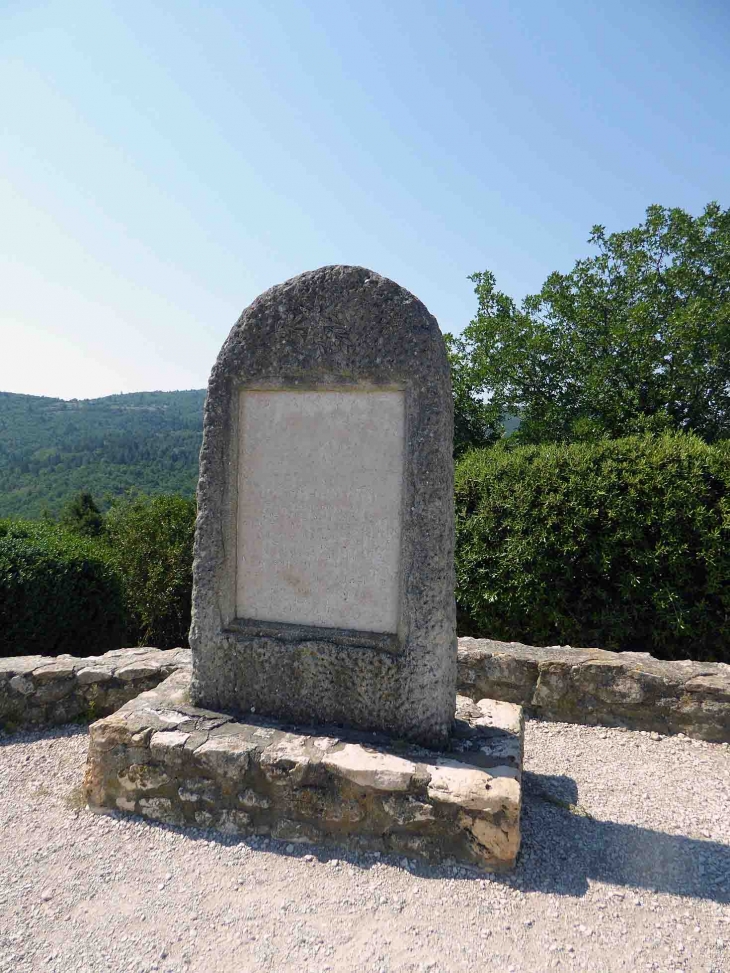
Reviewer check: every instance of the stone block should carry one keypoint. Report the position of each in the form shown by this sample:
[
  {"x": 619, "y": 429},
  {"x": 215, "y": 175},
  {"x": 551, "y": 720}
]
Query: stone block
[
  {"x": 93, "y": 675},
  {"x": 597, "y": 687},
  {"x": 325, "y": 785},
  {"x": 44, "y": 691}
]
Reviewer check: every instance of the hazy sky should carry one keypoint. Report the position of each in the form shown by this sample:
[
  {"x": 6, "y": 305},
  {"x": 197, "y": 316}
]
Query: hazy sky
[{"x": 162, "y": 163}]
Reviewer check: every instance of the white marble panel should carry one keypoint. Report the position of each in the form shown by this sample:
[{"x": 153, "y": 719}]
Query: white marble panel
[{"x": 320, "y": 488}]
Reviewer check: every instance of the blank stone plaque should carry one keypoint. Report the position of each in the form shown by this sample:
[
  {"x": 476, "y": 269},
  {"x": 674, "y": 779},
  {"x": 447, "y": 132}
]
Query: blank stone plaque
[
  {"x": 323, "y": 574},
  {"x": 319, "y": 507}
]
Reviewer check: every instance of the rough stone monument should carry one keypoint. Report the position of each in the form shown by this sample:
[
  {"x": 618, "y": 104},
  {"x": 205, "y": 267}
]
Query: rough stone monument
[
  {"x": 323, "y": 572},
  {"x": 323, "y": 636}
]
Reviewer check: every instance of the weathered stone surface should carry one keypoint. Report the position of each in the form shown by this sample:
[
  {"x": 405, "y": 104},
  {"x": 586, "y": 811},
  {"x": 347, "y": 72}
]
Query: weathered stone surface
[
  {"x": 139, "y": 669},
  {"x": 42, "y": 691},
  {"x": 381, "y": 771},
  {"x": 53, "y": 672},
  {"x": 92, "y": 674},
  {"x": 347, "y": 332},
  {"x": 594, "y": 686},
  {"x": 19, "y": 665},
  {"x": 21, "y": 684},
  {"x": 323, "y": 785}
]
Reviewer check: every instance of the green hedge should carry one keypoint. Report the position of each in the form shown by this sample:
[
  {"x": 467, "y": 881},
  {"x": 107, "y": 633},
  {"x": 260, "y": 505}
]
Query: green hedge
[
  {"x": 58, "y": 593},
  {"x": 621, "y": 544},
  {"x": 131, "y": 585}
]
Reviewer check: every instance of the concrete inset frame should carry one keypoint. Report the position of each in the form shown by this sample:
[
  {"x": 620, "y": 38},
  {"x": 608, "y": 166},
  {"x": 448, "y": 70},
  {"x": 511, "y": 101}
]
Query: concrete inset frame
[{"x": 320, "y": 507}]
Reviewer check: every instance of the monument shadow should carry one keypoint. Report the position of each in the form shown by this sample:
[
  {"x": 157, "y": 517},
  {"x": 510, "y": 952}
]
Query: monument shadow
[{"x": 563, "y": 846}]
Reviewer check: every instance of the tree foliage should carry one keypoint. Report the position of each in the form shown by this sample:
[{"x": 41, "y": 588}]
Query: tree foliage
[
  {"x": 82, "y": 516},
  {"x": 150, "y": 541},
  {"x": 130, "y": 583},
  {"x": 51, "y": 449},
  {"x": 633, "y": 339},
  {"x": 476, "y": 423}
]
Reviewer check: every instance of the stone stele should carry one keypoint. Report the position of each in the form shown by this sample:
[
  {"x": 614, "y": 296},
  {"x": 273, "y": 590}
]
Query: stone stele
[{"x": 323, "y": 574}]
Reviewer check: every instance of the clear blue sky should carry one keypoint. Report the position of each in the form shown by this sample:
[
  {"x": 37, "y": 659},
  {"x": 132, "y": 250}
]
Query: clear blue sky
[{"x": 162, "y": 163}]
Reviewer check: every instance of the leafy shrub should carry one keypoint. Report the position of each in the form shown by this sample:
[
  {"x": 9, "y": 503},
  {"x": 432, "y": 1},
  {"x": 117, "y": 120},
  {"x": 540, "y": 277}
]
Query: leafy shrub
[
  {"x": 58, "y": 593},
  {"x": 82, "y": 516},
  {"x": 622, "y": 544},
  {"x": 150, "y": 540}
]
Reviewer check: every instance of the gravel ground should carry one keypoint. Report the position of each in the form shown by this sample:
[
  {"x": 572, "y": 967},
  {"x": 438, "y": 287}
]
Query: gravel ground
[{"x": 625, "y": 867}]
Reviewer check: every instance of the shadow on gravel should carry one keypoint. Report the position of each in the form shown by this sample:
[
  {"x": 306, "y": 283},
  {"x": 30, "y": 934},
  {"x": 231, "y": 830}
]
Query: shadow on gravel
[{"x": 563, "y": 847}]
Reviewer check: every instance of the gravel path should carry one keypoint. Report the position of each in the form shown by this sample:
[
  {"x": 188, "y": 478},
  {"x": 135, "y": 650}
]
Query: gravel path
[{"x": 625, "y": 867}]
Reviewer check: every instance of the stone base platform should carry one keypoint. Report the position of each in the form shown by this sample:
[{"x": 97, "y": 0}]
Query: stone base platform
[{"x": 163, "y": 758}]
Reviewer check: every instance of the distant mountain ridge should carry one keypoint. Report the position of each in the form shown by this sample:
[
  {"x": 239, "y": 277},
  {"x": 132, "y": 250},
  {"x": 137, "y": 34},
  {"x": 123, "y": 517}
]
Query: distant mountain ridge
[{"x": 52, "y": 448}]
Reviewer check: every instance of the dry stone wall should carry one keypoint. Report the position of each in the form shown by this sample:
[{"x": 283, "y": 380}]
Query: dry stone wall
[
  {"x": 571, "y": 685},
  {"x": 597, "y": 687},
  {"x": 49, "y": 691}
]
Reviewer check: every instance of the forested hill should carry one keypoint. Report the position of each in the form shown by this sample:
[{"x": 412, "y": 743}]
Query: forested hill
[{"x": 51, "y": 449}]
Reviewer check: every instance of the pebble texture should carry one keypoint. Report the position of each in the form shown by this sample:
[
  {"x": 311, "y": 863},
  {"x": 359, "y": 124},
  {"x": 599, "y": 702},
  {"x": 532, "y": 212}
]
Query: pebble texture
[
  {"x": 337, "y": 328},
  {"x": 163, "y": 758},
  {"x": 46, "y": 691},
  {"x": 594, "y": 686},
  {"x": 624, "y": 868}
]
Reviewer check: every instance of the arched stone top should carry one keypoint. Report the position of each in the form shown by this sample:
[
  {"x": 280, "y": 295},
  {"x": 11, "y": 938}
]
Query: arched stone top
[
  {"x": 337, "y": 329},
  {"x": 338, "y": 323}
]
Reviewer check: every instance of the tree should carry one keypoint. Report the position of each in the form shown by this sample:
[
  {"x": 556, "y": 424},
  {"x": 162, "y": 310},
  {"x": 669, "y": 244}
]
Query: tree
[
  {"x": 150, "y": 541},
  {"x": 82, "y": 516},
  {"x": 476, "y": 422},
  {"x": 634, "y": 339}
]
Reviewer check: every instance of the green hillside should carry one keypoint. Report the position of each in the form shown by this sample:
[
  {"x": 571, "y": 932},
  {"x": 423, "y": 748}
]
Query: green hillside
[{"x": 51, "y": 448}]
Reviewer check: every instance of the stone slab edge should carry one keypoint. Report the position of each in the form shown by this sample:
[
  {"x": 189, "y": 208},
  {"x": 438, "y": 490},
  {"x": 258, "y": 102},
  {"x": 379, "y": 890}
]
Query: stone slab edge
[
  {"x": 163, "y": 758},
  {"x": 49, "y": 691},
  {"x": 597, "y": 687}
]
